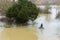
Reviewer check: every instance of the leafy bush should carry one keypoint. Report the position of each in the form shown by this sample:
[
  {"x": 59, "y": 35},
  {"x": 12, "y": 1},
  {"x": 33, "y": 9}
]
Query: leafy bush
[{"x": 22, "y": 11}]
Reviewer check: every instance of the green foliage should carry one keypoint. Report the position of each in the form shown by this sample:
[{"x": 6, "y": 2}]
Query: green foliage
[{"x": 22, "y": 11}]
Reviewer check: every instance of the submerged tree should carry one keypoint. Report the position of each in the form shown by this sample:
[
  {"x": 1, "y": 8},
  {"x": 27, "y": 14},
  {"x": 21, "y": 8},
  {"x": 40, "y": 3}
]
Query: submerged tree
[{"x": 22, "y": 11}]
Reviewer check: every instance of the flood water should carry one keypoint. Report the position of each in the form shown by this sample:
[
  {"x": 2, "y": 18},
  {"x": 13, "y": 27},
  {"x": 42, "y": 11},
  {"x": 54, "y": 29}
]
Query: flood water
[
  {"x": 51, "y": 26},
  {"x": 17, "y": 34},
  {"x": 51, "y": 29}
]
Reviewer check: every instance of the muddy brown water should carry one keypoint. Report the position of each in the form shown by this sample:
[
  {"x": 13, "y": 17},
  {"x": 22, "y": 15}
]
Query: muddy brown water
[{"x": 17, "y": 34}]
